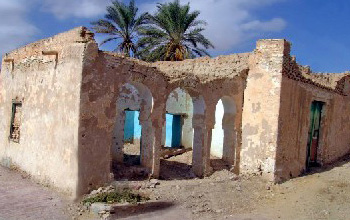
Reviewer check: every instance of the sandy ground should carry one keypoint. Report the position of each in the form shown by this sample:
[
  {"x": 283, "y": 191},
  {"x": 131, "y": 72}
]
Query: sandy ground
[
  {"x": 22, "y": 198},
  {"x": 323, "y": 194}
]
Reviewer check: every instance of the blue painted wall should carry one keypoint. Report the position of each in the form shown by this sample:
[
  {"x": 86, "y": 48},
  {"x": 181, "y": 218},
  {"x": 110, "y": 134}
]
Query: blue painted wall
[
  {"x": 173, "y": 130},
  {"x": 132, "y": 127}
]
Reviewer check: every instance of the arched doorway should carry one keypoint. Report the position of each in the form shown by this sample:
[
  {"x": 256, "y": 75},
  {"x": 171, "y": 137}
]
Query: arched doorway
[
  {"x": 223, "y": 141},
  {"x": 178, "y": 130},
  {"x": 132, "y": 140},
  {"x": 177, "y": 136}
]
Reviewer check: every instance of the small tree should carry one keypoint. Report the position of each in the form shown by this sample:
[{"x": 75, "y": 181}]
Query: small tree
[
  {"x": 173, "y": 33},
  {"x": 121, "y": 24}
]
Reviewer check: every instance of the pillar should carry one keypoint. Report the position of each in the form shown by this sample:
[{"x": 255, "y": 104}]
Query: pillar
[
  {"x": 200, "y": 143},
  {"x": 118, "y": 138},
  {"x": 147, "y": 142},
  {"x": 158, "y": 121},
  {"x": 229, "y": 149}
]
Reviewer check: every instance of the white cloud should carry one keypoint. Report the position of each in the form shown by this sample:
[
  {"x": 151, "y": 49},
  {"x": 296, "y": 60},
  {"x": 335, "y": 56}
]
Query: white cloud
[
  {"x": 15, "y": 30},
  {"x": 75, "y": 8},
  {"x": 276, "y": 24},
  {"x": 230, "y": 22}
]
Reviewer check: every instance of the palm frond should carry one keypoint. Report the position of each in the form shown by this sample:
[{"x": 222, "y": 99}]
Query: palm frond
[
  {"x": 121, "y": 23},
  {"x": 177, "y": 31}
]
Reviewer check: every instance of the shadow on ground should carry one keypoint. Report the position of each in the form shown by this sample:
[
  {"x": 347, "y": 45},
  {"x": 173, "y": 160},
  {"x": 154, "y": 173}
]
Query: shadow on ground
[
  {"x": 176, "y": 166},
  {"x": 174, "y": 170},
  {"x": 138, "y": 209},
  {"x": 319, "y": 169}
]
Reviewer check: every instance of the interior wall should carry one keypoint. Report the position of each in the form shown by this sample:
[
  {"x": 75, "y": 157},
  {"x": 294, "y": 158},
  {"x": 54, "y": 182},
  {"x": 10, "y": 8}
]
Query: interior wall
[
  {"x": 129, "y": 106},
  {"x": 179, "y": 102},
  {"x": 129, "y": 98},
  {"x": 132, "y": 127}
]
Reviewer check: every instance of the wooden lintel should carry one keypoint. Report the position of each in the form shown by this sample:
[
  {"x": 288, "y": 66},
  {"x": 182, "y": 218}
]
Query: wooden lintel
[
  {"x": 8, "y": 60},
  {"x": 12, "y": 61},
  {"x": 51, "y": 53}
]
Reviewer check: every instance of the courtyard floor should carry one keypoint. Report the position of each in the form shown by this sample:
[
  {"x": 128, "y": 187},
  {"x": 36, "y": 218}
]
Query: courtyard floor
[{"x": 323, "y": 194}]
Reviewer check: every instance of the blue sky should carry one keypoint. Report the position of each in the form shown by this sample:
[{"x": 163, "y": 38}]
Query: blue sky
[{"x": 318, "y": 29}]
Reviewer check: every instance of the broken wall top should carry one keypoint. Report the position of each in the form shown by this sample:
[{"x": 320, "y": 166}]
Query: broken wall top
[
  {"x": 206, "y": 69},
  {"x": 329, "y": 81},
  {"x": 333, "y": 82},
  {"x": 55, "y": 43},
  {"x": 203, "y": 69}
]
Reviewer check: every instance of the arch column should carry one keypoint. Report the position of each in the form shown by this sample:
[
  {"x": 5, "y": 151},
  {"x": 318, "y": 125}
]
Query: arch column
[
  {"x": 207, "y": 167},
  {"x": 118, "y": 138},
  {"x": 230, "y": 138},
  {"x": 200, "y": 146},
  {"x": 147, "y": 142},
  {"x": 210, "y": 123},
  {"x": 158, "y": 119}
]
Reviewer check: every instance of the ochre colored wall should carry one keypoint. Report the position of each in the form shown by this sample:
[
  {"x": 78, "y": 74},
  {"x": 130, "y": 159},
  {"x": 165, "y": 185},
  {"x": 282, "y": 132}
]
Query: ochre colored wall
[
  {"x": 294, "y": 122},
  {"x": 70, "y": 110},
  {"x": 261, "y": 108},
  {"x": 50, "y": 97}
]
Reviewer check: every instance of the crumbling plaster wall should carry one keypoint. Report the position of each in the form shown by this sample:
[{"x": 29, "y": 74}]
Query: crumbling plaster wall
[
  {"x": 276, "y": 113},
  {"x": 70, "y": 108},
  {"x": 104, "y": 73},
  {"x": 297, "y": 96},
  {"x": 261, "y": 108},
  {"x": 50, "y": 95}
]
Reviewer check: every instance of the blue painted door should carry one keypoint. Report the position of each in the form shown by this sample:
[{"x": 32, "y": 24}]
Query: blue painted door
[
  {"x": 132, "y": 127},
  {"x": 173, "y": 130}
]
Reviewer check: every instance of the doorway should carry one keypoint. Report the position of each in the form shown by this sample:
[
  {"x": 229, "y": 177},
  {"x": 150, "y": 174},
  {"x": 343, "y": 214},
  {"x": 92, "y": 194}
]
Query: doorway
[
  {"x": 314, "y": 133},
  {"x": 173, "y": 130},
  {"x": 132, "y": 138}
]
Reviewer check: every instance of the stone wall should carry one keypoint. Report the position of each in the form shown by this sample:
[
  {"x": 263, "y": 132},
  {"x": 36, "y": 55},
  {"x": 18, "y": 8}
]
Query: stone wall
[
  {"x": 45, "y": 77},
  {"x": 205, "y": 80},
  {"x": 73, "y": 98},
  {"x": 276, "y": 113},
  {"x": 261, "y": 108},
  {"x": 297, "y": 94}
]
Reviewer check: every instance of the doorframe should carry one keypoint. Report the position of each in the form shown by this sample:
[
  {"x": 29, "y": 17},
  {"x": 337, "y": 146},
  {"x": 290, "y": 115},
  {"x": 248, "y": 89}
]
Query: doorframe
[
  {"x": 321, "y": 138},
  {"x": 181, "y": 117}
]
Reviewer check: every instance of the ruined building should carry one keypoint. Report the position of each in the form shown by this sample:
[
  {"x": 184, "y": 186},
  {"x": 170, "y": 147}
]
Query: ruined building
[{"x": 68, "y": 108}]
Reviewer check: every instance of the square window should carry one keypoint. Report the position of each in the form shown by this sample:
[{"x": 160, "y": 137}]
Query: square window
[{"x": 16, "y": 121}]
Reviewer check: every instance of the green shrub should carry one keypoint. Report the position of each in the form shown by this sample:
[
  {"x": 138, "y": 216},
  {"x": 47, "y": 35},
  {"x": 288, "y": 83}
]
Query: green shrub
[{"x": 116, "y": 197}]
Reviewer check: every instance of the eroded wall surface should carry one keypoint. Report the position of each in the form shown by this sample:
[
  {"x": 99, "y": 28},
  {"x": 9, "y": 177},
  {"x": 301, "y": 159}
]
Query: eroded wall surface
[
  {"x": 261, "y": 108},
  {"x": 48, "y": 86},
  {"x": 297, "y": 95},
  {"x": 73, "y": 97},
  {"x": 205, "y": 80}
]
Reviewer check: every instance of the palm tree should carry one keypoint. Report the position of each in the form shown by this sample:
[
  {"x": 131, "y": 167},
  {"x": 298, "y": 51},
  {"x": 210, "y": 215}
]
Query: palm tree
[
  {"x": 121, "y": 23},
  {"x": 173, "y": 34}
]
